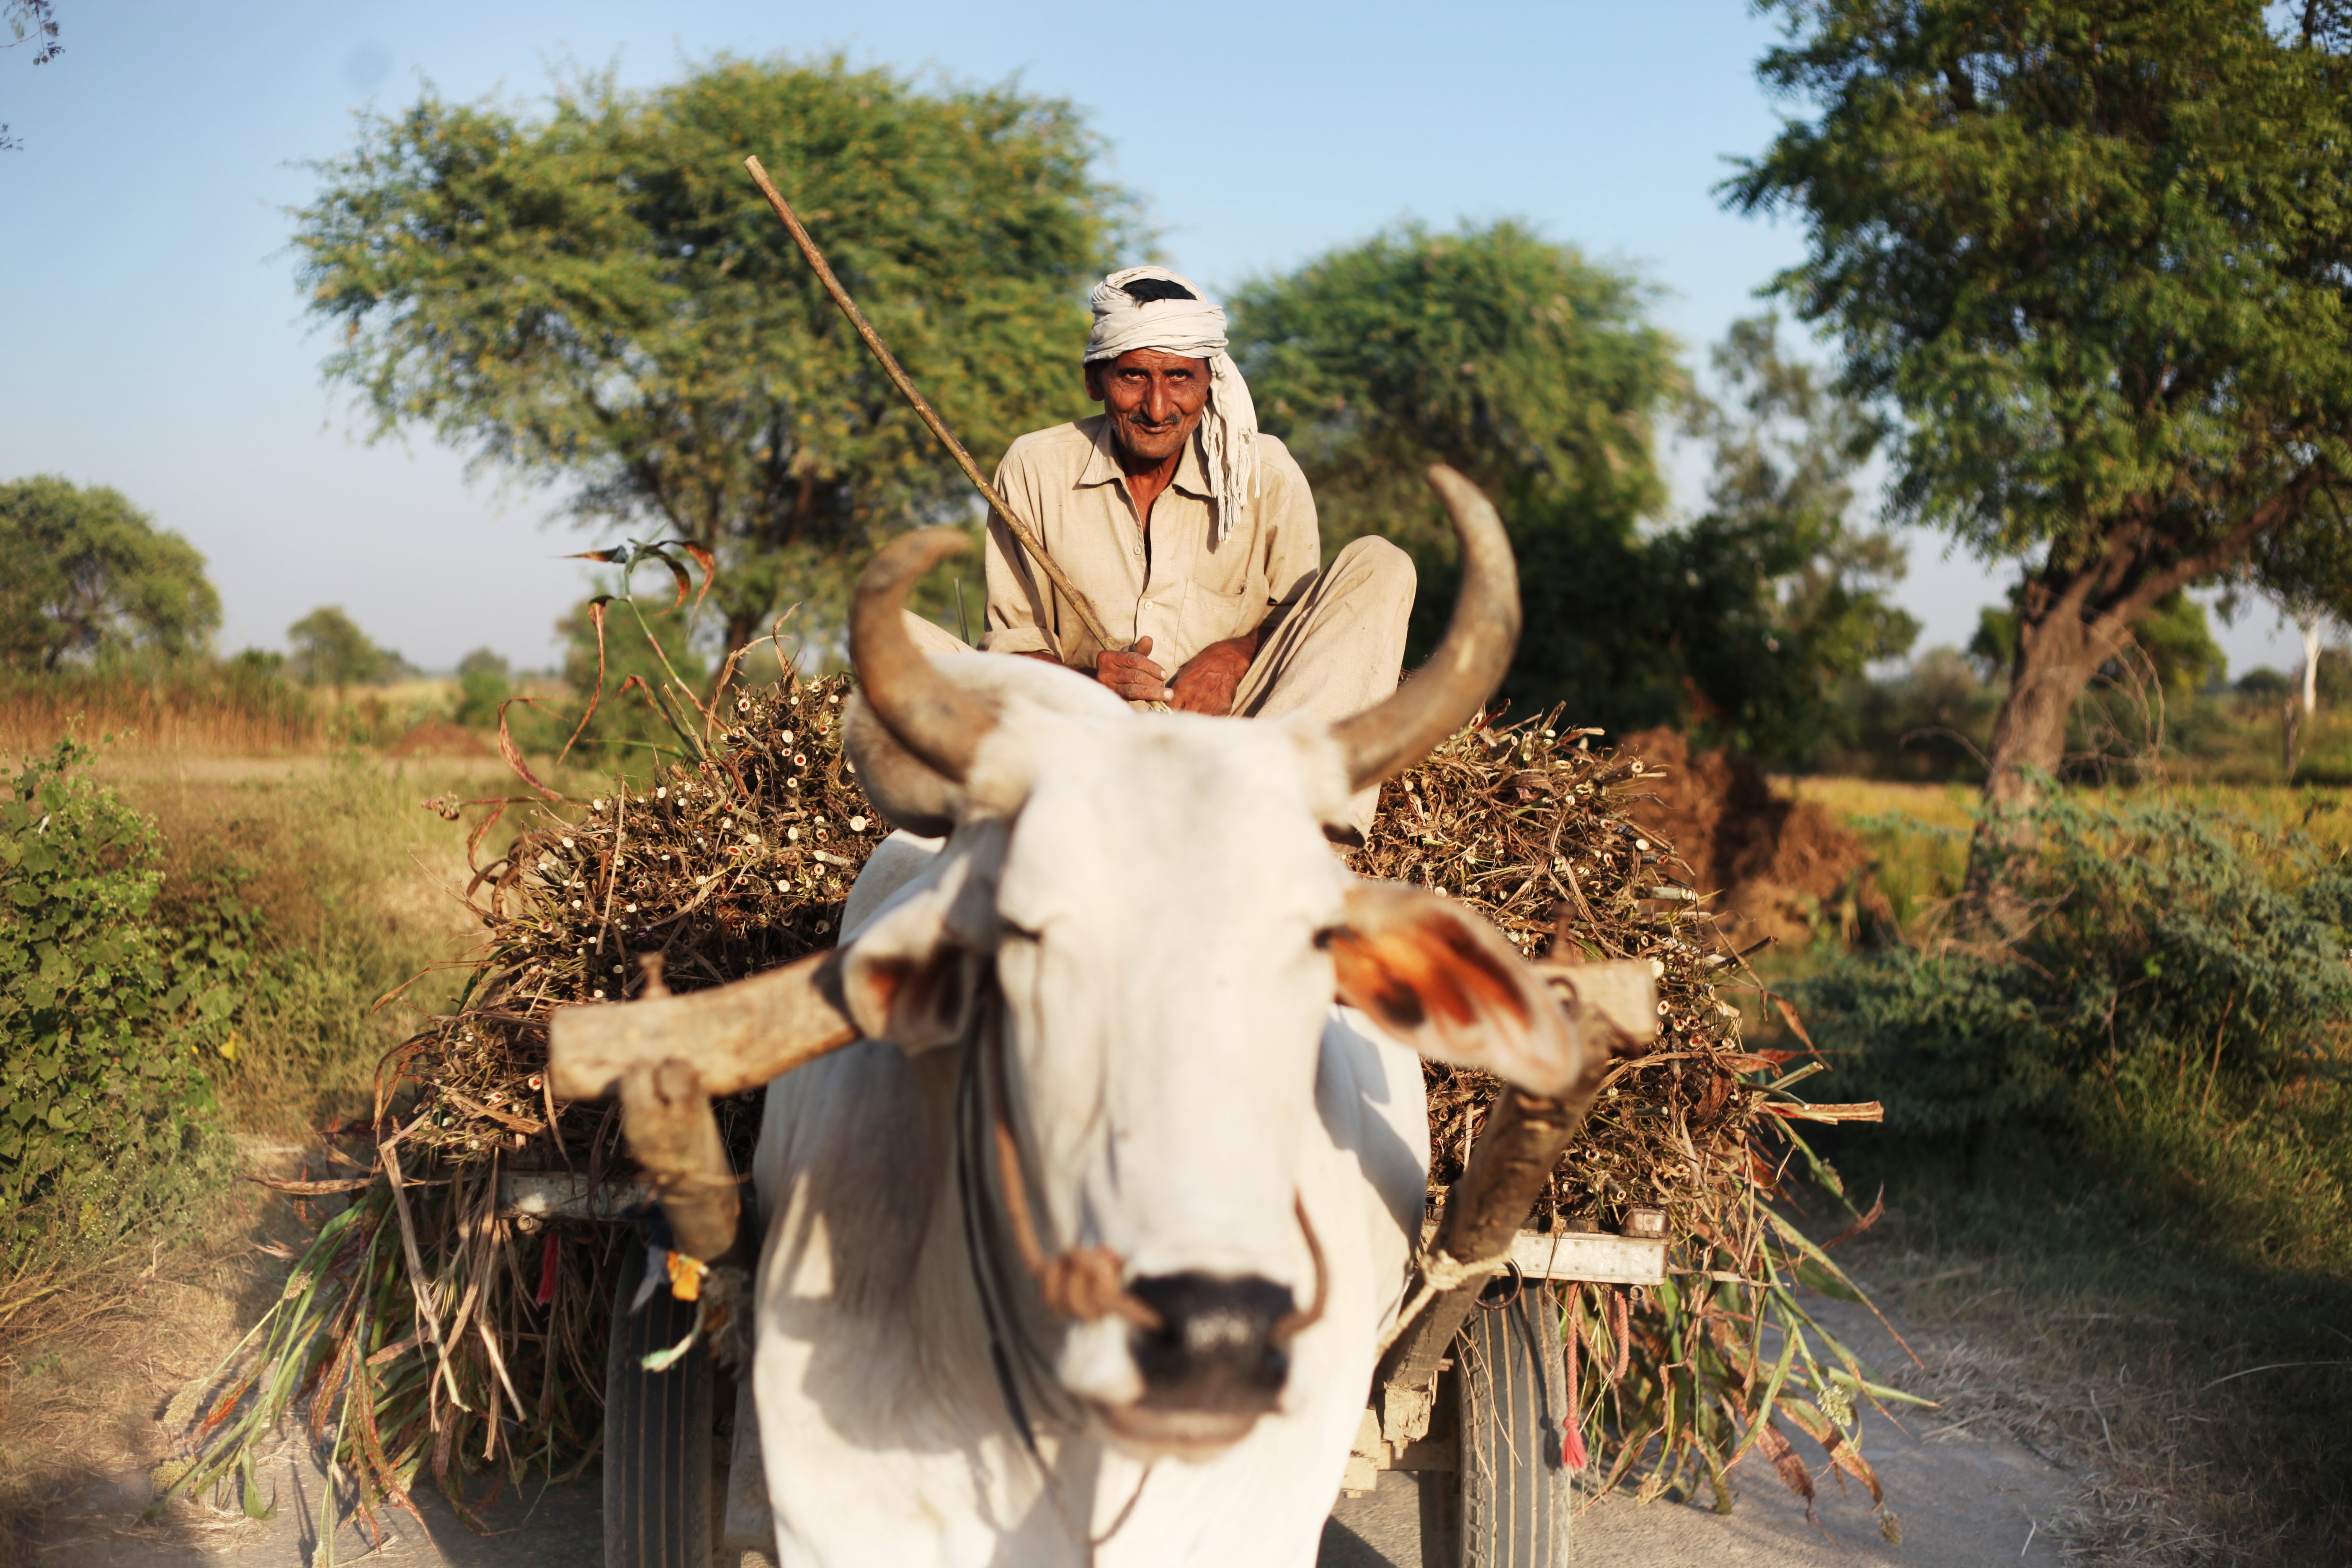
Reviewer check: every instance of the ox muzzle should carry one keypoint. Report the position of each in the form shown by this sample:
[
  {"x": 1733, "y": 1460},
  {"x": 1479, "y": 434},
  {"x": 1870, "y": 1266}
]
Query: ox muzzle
[{"x": 1215, "y": 1361}]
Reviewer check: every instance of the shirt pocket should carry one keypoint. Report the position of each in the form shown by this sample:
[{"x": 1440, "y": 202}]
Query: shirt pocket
[
  {"x": 1226, "y": 594},
  {"x": 1229, "y": 570}
]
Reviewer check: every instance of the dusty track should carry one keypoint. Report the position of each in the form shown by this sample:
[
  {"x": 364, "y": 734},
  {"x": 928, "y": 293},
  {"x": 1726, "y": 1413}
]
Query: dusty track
[{"x": 1964, "y": 1500}]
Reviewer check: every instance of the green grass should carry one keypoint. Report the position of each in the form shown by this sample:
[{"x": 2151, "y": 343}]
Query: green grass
[
  {"x": 358, "y": 886},
  {"x": 2240, "y": 739},
  {"x": 1917, "y": 832}
]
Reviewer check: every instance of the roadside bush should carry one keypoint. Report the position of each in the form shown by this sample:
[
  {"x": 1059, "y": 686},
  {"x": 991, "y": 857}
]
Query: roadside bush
[
  {"x": 2174, "y": 950},
  {"x": 108, "y": 1015},
  {"x": 2175, "y": 1019}
]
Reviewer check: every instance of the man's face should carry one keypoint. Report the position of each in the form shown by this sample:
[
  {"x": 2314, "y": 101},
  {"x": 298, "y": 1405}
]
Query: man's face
[{"x": 1154, "y": 400}]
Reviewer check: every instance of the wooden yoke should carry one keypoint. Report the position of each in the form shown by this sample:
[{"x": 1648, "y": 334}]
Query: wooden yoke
[
  {"x": 668, "y": 1056},
  {"x": 1610, "y": 1004}
]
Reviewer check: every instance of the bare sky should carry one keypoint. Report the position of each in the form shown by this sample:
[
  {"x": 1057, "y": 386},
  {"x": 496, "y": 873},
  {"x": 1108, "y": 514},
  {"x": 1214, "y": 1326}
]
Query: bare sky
[{"x": 154, "y": 339}]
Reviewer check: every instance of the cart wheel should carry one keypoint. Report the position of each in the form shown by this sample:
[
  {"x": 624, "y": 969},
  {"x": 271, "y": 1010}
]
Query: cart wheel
[
  {"x": 657, "y": 1427},
  {"x": 1513, "y": 1394}
]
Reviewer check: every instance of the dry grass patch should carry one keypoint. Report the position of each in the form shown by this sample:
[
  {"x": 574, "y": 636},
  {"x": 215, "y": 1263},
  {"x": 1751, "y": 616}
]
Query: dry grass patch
[
  {"x": 191, "y": 709},
  {"x": 95, "y": 1383},
  {"x": 360, "y": 889}
]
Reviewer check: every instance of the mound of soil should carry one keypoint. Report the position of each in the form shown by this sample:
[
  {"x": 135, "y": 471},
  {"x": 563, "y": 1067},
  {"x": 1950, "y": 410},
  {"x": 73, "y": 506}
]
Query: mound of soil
[
  {"x": 440, "y": 738},
  {"x": 1777, "y": 867}
]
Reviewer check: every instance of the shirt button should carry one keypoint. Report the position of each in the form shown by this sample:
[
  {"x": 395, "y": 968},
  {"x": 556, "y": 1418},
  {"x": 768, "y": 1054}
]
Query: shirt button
[{"x": 1138, "y": 550}]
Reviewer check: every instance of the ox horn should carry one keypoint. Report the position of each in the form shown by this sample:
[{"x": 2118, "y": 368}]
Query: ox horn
[
  {"x": 1391, "y": 735},
  {"x": 934, "y": 718}
]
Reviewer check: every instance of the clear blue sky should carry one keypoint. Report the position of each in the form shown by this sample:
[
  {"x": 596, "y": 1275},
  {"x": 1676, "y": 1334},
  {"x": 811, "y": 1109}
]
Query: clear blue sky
[{"x": 154, "y": 339}]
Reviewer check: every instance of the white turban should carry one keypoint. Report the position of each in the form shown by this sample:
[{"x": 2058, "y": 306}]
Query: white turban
[{"x": 1194, "y": 328}]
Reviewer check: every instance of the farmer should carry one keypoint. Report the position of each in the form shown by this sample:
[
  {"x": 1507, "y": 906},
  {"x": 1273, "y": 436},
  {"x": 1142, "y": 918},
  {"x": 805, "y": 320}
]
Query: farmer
[{"x": 1191, "y": 534}]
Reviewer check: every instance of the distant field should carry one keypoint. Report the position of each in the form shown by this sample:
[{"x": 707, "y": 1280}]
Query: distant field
[
  {"x": 1944, "y": 804},
  {"x": 1918, "y": 832},
  {"x": 2320, "y": 808},
  {"x": 210, "y": 710}
]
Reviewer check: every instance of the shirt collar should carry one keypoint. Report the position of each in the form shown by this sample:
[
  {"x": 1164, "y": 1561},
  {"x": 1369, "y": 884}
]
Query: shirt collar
[{"x": 1102, "y": 465}]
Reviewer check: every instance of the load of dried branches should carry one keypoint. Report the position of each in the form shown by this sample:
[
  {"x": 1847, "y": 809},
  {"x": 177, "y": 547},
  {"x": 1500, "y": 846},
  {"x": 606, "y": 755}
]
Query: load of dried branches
[{"x": 430, "y": 1330}]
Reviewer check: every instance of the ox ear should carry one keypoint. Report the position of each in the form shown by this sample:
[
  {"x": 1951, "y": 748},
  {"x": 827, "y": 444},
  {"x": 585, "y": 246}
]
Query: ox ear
[
  {"x": 1440, "y": 980},
  {"x": 907, "y": 978}
]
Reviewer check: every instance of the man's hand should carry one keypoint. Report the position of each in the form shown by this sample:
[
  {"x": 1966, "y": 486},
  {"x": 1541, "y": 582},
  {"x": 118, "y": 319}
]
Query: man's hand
[
  {"x": 1207, "y": 684},
  {"x": 1131, "y": 675}
]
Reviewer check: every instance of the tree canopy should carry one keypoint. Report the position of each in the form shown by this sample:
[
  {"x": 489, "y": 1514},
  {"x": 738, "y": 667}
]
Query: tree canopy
[
  {"x": 1539, "y": 376},
  {"x": 330, "y": 649},
  {"x": 32, "y": 22},
  {"x": 88, "y": 574},
  {"x": 2095, "y": 256},
  {"x": 1515, "y": 360},
  {"x": 598, "y": 296},
  {"x": 1770, "y": 599}
]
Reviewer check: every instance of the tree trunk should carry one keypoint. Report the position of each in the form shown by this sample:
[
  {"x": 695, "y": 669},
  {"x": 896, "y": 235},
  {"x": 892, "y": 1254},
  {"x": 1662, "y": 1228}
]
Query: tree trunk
[
  {"x": 744, "y": 629},
  {"x": 2059, "y": 651},
  {"x": 2073, "y": 617},
  {"x": 2309, "y": 626},
  {"x": 2057, "y": 655}
]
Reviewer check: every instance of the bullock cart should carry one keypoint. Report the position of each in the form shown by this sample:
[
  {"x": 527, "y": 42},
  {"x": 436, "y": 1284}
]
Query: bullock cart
[
  {"x": 1164, "y": 1308},
  {"x": 456, "y": 1315}
]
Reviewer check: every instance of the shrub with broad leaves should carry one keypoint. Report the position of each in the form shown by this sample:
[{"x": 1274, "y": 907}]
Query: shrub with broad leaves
[{"x": 107, "y": 1017}]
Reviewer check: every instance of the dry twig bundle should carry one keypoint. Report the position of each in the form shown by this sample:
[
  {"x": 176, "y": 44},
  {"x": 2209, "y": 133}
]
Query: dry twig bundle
[{"x": 1529, "y": 827}]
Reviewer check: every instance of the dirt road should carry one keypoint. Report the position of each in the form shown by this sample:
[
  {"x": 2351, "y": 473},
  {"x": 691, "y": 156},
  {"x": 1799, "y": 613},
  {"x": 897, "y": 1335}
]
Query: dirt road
[{"x": 1963, "y": 1500}]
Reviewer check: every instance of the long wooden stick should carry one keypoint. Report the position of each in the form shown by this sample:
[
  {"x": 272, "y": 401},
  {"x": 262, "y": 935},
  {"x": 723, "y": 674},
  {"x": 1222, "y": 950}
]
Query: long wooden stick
[{"x": 923, "y": 410}]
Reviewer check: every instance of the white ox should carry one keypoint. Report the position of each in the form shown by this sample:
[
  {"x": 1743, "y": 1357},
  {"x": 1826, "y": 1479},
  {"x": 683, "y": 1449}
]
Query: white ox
[{"x": 1085, "y": 1254}]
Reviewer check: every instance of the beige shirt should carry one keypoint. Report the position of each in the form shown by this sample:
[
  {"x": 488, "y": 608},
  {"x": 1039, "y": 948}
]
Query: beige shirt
[{"x": 1180, "y": 587}]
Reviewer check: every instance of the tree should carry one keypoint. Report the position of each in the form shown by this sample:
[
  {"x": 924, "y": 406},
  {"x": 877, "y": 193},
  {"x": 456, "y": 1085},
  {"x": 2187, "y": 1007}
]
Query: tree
[
  {"x": 330, "y": 649},
  {"x": 2307, "y": 572},
  {"x": 2095, "y": 256},
  {"x": 2175, "y": 639},
  {"x": 599, "y": 298},
  {"x": 483, "y": 682},
  {"x": 1770, "y": 601},
  {"x": 1513, "y": 359},
  {"x": 1536, "y": 374},
  {"x": 89, "y": 572}
]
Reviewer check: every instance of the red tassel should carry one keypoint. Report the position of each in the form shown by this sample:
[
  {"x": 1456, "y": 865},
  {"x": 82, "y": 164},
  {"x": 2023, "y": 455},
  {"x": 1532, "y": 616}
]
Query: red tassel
[{"x": 547, "y": 1271}]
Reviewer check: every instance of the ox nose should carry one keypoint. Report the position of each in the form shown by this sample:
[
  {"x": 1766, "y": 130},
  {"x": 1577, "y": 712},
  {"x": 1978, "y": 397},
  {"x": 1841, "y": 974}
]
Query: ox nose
[{"x": 1215, "y": 1350}]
